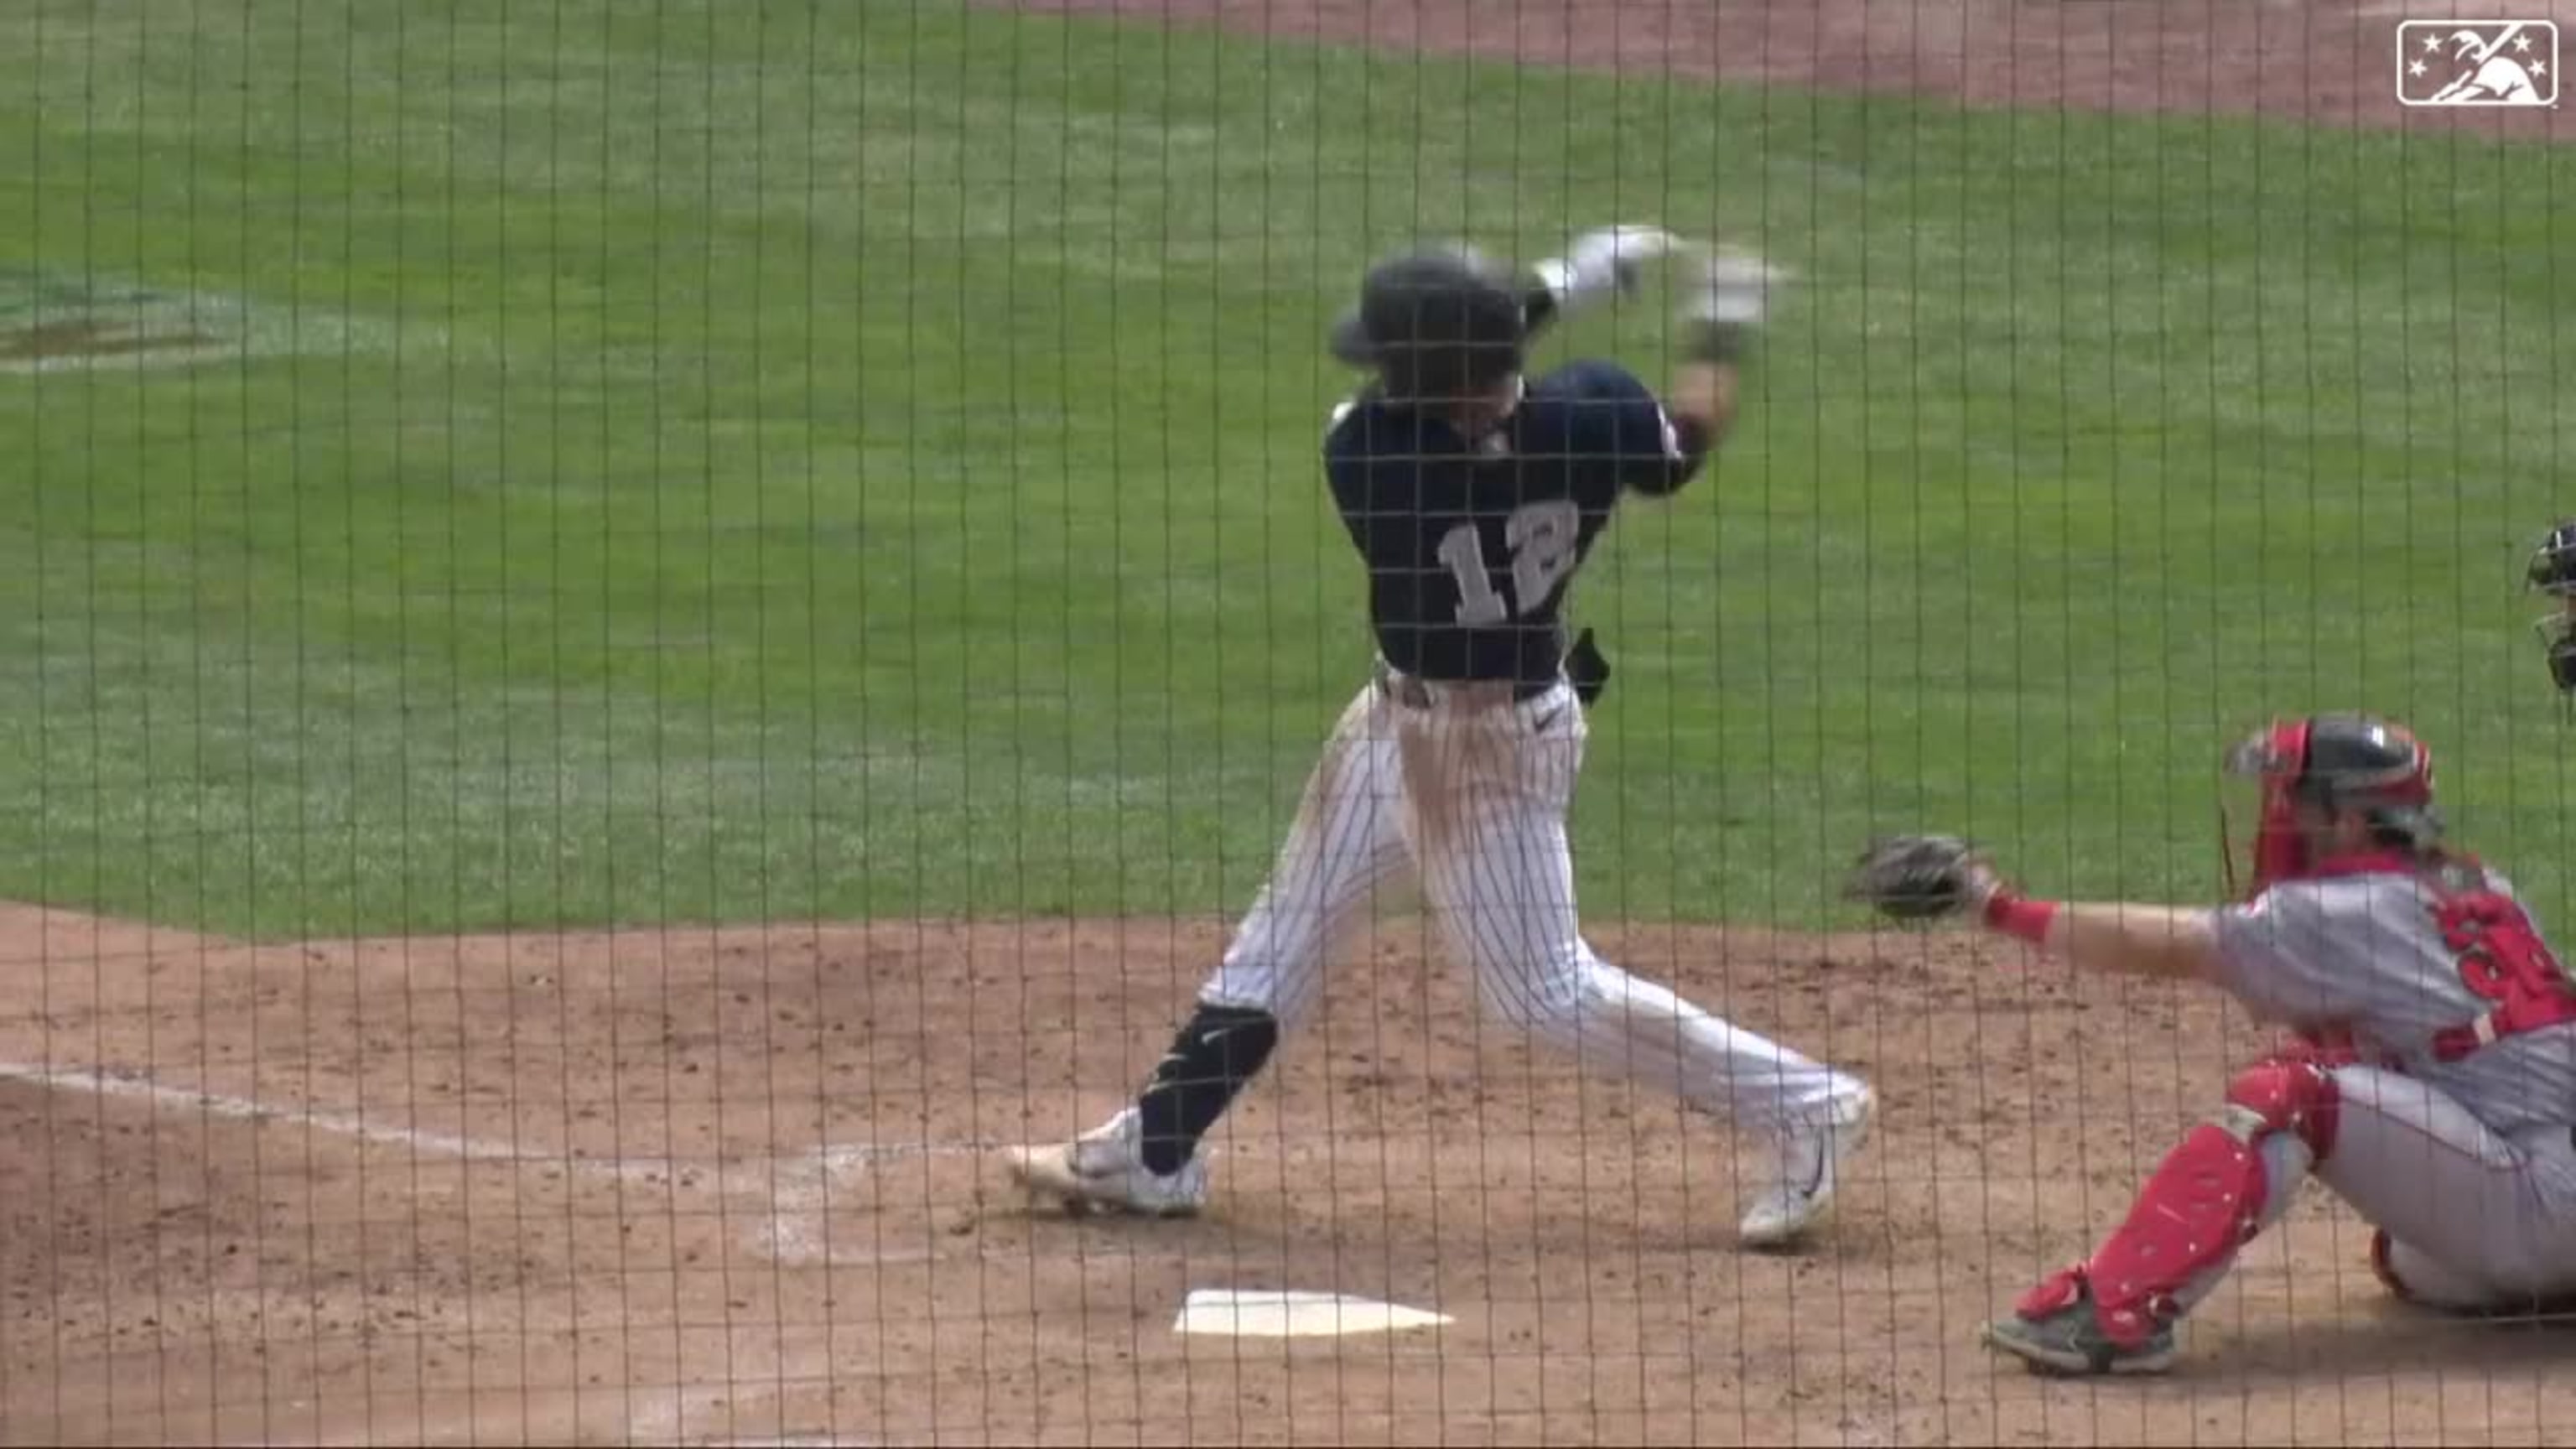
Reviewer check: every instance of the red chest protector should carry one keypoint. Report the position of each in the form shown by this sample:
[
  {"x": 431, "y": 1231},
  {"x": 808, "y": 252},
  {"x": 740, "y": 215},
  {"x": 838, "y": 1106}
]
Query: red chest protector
[
  {"x": 2502, "y": 958},
  {"x": 2496, "y": 949}
]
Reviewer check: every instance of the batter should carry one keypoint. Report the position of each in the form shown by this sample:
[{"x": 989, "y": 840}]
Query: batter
[{"x": 1474, "y": 498}]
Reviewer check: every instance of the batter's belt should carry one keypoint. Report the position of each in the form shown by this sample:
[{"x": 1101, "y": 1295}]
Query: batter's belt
[
  {"x": 1414, "y": 692},
  {"x": 1583, "y": 667}
]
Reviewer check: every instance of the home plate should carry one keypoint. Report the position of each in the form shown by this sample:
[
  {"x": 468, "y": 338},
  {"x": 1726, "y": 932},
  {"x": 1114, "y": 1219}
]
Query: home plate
[{"x": 1271, "y": 1313}]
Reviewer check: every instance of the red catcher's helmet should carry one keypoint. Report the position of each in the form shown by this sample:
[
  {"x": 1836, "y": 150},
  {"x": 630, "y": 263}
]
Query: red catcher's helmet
[{"x": 2340, "y": 762}]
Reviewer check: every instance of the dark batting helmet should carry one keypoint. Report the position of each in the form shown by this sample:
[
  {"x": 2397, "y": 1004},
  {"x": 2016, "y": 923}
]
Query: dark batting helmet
[{"x": 1439, "y": 325}]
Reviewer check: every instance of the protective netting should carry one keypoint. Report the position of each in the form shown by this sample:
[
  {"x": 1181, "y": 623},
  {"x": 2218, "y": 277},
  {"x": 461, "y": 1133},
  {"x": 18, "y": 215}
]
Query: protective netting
[{"x": 650, "y": 648}]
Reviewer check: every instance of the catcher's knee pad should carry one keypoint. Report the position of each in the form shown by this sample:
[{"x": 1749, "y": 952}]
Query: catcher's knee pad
[
  {"x": 2207, "y": 1197},
  {"x": 2290, "y": 1093}
]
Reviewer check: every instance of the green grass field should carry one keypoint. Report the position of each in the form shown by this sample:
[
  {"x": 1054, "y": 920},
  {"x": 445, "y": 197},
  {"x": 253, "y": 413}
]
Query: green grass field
[{"x": 719, "y": 461}]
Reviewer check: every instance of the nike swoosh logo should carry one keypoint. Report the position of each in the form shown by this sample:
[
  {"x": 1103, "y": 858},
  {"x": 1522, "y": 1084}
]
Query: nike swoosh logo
[{"x": 1549, "y": 718}]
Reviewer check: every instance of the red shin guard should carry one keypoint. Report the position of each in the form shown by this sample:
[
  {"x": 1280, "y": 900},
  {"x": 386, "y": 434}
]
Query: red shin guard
[{"x": 2203, "y": 1202}]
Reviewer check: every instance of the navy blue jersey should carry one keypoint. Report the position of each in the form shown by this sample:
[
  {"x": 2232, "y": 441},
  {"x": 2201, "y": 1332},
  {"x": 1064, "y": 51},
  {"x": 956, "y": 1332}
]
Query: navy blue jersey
[{"x": 1471, "y": 544}]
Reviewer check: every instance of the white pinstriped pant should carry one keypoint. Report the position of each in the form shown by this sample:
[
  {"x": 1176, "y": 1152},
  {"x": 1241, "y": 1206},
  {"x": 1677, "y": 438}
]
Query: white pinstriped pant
[{"x": 1473, "y": 793}]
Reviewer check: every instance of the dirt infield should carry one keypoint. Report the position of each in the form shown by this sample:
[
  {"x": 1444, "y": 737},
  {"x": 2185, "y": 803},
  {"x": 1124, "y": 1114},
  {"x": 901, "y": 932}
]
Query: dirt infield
[
  {"x": 712, "y": 1187},
  {"x": 2327, "y": 61}
]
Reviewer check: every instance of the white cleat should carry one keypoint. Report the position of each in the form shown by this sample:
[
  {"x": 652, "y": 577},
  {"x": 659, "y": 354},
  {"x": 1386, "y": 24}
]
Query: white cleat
[
  {"x": 1104, "y": 1169},
  {"x": 1810, "y": 1157}
]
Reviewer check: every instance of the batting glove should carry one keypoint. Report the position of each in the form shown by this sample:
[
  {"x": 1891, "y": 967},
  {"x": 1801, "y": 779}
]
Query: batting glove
[
  {"x": 1738, "y": 289},
  {"x": 1602, "y": 263},
  {"x": 1733, "y": 301}
]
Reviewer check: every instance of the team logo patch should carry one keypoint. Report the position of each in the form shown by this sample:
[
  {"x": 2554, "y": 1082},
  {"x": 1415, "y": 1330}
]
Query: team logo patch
[
  {"x": 2477, "y": 63},
  {"x": 62, "y": 321}
]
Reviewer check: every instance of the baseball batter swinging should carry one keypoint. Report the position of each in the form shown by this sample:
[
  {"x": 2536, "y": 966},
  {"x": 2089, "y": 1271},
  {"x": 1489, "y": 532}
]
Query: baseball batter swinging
[
  {"x": 2435, "y": 1089},
  {"x": 1473, "y": 500}
]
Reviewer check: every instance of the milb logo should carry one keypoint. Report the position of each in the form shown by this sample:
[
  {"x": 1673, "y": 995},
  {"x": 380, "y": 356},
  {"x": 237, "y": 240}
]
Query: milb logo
[{"x": 2477, "y": 63}]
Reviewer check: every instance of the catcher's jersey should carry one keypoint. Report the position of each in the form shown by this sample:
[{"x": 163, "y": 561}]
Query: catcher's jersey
[
  {"x": 2407, "y": 972},
  {"x": 1472, "y": 543}
]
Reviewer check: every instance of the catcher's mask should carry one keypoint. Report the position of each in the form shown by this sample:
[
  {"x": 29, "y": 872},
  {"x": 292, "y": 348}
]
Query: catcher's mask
[
  {"x": 2552, "y": 571},
  {"x": 1441, "y": 325},
  {"x": 2336, "y": 763}
]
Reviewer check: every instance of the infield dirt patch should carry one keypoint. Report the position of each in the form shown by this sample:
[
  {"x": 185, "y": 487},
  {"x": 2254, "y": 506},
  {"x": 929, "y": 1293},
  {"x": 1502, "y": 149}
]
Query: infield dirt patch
[
  {"x": 2327, "y": 61},
  {"x": 724, "y": 1186}
]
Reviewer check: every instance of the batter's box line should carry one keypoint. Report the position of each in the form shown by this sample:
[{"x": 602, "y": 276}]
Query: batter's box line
[
  {"x": 128, "y": 1085},
  {"x": 795, "y": 1234}
]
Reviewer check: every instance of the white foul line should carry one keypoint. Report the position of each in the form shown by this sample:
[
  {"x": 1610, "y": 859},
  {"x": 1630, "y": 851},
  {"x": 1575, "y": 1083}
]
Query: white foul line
[
  {"x": 110, "y": 1082},
  {"x": 107, "y": 1082},
  {"x": 795, "y": 1215}
]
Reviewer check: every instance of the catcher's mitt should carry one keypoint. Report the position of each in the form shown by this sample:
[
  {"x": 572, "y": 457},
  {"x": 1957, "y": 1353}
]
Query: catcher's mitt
[{"x": 1920, "y": 877}]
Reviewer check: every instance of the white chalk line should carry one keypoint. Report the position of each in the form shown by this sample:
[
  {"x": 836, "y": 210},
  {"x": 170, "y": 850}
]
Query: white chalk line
[
  {"x": 134, "y": 1086},
  {"x": 787, "y": 1228},
  {"x": 108, "y": 1082},
  {"x": 795, "y": 1191},
  {"x": 802, "y": 1196},
  {"x": 794, "y": 1233}
]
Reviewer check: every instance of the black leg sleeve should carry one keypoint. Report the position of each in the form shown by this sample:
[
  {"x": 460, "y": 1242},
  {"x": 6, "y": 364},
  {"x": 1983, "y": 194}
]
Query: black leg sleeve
[{"x": 1213, "y": 1058}]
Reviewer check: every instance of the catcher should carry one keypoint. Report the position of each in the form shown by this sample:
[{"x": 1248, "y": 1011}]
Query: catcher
[{"x": 2437, "y": 1081}]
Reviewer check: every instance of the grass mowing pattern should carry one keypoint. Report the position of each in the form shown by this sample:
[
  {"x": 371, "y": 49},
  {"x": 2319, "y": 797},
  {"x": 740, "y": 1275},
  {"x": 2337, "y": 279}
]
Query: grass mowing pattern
[{"x": 714, "y": 461}]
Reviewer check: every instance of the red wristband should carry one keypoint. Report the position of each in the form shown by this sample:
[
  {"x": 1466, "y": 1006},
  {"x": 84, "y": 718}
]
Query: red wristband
[{"x": 2015, "y": 916}]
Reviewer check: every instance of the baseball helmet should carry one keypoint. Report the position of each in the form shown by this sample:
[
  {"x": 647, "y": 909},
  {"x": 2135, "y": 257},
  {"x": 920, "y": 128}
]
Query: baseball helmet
[
  {"x": 2342, "y": 762},
  {"x": 2552, "y": 570},
  {"x": 1437, "y": 324}
]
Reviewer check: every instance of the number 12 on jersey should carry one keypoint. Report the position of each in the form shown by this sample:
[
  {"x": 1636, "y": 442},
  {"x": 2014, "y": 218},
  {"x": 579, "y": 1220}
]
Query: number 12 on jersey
[{"x": 1541, "y": 537}]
